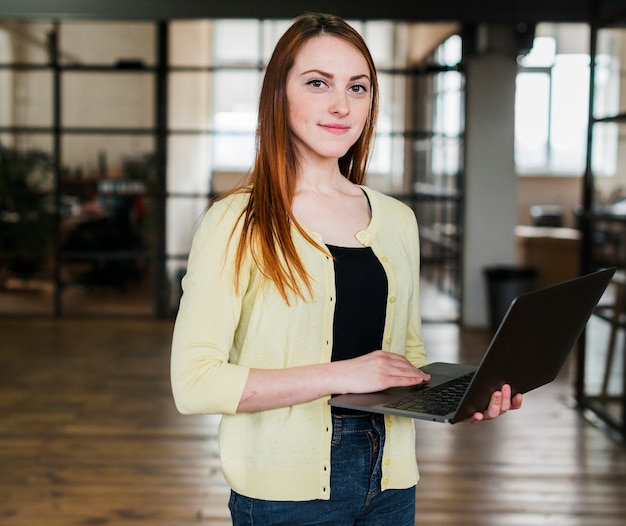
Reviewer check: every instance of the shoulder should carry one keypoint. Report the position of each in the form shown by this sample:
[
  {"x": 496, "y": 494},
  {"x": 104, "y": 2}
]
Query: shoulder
[
  {"x": 228, "y": 208},
  {"x": 386, "y": 205},
  {"x": 234, "y": 202},
  {"x": 221, "y": 218}
]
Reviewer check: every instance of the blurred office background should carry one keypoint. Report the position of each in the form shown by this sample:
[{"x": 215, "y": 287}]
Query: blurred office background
[
  {"x": 501, "y": 125},
  {"x": 117, "y": 124}
]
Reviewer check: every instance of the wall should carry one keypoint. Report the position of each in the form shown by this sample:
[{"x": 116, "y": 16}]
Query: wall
[{"x": 490, "y": 179}]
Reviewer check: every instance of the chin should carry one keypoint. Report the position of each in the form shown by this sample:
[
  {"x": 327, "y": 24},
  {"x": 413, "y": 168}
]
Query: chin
[
  {"x": 328, "y": 151},
  {"x": 333, "y": 152}
]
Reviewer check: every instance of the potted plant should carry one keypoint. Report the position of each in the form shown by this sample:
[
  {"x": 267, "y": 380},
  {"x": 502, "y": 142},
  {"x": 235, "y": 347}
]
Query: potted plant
[{"x": 26, "y": 218}]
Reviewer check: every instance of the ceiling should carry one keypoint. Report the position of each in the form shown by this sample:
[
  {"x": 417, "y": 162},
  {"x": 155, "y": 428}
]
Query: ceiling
[{"x": 463, "y": 11}]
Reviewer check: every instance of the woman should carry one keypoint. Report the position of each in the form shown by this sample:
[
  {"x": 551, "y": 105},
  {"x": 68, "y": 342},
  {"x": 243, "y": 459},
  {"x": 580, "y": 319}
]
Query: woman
[{"x": 301, "y": 285}]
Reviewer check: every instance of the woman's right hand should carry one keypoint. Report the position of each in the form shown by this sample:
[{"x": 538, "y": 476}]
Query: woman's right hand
[{"x": 376, "y": 371}]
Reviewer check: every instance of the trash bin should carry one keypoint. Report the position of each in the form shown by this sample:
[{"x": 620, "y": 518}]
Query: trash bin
[{"x": 504, "y": 284}]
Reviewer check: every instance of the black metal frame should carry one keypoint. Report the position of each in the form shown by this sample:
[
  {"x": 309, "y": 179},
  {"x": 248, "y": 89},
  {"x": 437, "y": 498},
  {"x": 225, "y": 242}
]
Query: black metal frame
[{"x": 593, "y": 406}]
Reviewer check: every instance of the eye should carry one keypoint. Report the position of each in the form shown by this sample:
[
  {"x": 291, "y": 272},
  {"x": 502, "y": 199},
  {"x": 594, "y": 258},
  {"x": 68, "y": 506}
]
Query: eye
[
  {"x": 358, "y": 88},
  {"x": 316, "y": 83}
]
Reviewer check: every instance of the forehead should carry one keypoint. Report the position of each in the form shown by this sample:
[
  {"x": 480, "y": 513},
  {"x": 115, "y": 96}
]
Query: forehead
[{"x": 327, "y": 52}]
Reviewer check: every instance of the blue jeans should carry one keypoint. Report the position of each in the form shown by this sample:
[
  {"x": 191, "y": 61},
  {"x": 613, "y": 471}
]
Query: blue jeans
[{"x": 355, "y": 495}]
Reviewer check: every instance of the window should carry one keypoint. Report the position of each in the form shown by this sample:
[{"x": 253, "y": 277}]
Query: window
[
  {"x": 6, "y": 78},
  {"x": 551, "y": 109},
  {"x": 447, "y": 121},
  {"x": 552, "y": 101}
]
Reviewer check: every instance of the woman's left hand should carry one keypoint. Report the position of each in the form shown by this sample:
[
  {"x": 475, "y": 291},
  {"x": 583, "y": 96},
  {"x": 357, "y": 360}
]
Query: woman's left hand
[{"x": 501, "y": 402}]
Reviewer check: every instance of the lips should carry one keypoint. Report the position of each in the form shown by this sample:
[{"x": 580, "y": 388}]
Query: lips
[{"x": 337, "y": 129}]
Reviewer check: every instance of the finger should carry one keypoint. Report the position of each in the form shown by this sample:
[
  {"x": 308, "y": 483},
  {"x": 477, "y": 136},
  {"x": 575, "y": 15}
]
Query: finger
[
  {"x": 505, "y": 403},
  {"x": 475, "y": 418},
  {"x": 495, "y": 404},
  {"x": 499, "y": 403},
  {"x": 402, "y": 367},
  {"x": 492, "y": 411},
  {"x": 424, "y": 376}
]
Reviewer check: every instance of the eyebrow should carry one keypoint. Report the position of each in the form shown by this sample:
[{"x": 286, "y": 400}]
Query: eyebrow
[{"x": 330, "y": 75}]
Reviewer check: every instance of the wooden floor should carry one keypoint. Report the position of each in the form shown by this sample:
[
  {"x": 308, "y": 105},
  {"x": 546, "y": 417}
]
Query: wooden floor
[{"x": 90, "y": 436}]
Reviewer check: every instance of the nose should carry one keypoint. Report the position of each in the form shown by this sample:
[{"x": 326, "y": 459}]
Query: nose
[{"x": 340, "y": 104}]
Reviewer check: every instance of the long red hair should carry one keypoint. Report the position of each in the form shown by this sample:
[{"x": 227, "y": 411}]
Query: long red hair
[{"x": 268, "y": 219}]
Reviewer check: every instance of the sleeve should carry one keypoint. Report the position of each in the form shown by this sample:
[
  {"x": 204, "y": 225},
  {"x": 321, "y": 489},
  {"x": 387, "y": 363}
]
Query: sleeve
[
  {"x": 203, "y": 380},
  {"x": 415, "y": 350}
]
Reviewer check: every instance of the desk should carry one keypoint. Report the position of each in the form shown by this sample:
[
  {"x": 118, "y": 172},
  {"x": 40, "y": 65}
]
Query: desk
[{"x": 553, "y": 252}]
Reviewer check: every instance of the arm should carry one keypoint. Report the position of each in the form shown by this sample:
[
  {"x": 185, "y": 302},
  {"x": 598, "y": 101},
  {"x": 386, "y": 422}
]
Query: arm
[
  {"x": 274, "y": 388},
  {"x": 203, "y": 381}
]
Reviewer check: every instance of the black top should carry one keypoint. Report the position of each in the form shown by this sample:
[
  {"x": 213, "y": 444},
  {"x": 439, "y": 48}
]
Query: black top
[{"x": 361, "y": 300}]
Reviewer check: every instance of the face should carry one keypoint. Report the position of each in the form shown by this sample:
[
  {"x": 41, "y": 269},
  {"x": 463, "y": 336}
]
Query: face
[{"x": 329, "y": 97}]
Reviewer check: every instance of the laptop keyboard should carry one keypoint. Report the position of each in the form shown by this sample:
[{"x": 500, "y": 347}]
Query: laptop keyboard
[{"x": 439, "y": 400}]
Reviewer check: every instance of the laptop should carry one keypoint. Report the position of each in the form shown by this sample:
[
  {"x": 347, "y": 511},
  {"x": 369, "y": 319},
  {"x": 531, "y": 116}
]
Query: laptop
[{"x": 527, "y": 351}]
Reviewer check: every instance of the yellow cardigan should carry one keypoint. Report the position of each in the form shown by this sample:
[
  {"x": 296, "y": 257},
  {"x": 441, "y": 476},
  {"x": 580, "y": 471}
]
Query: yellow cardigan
[{"x": 220, "y": 333}]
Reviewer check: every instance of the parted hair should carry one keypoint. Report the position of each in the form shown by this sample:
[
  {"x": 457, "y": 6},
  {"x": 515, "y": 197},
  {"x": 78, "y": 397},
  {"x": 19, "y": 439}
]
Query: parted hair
[{"x": 268, "y": 219}]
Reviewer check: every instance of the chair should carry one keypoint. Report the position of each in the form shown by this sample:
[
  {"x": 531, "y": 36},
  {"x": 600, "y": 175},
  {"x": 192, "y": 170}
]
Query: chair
[
  {"x": 618, "y": 320},
  {"x": 547, "y": 215}
]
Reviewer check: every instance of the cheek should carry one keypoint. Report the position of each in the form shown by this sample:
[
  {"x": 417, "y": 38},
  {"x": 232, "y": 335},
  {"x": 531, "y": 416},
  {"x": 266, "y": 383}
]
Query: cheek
[
  {"x": 300, "y": 114},
  {"x": 295, "y": 121},
  {"x": 359, "y": 125},
  {"x": 365, "y": 111},
  {"x": 300, "y": 107}
]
